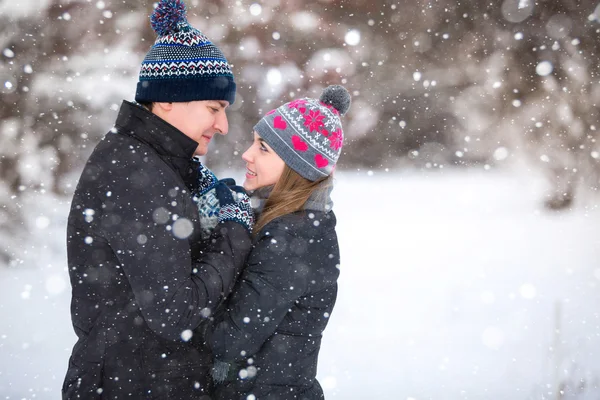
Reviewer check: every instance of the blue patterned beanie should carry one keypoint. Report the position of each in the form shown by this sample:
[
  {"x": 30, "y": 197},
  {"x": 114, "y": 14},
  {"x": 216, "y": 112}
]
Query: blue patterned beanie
[{"x": 182, "y": 65}]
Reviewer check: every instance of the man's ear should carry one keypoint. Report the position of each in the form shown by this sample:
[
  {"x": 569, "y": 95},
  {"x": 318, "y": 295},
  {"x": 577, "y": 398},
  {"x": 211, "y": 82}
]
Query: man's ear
[{"x": 164, "y": 106}]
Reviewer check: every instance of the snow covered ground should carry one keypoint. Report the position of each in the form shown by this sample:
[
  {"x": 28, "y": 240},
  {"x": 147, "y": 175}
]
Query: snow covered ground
[{"x": 454, "y": 285}]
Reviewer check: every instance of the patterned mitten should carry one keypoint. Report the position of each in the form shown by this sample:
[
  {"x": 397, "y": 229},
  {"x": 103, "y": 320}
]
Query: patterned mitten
[
  {"x": 207, "y": 202},
  {"x": 236, "y": 209},
  {"x": 220, "y": 371},
  {"x": 206, "y": 179}
]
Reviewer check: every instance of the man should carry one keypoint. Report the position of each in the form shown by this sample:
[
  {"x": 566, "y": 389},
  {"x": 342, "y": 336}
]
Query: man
[{"x": 142, "y": 281}]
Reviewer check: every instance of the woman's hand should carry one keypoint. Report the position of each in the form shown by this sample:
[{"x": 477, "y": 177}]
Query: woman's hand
[{"x": 235, "y": 204}]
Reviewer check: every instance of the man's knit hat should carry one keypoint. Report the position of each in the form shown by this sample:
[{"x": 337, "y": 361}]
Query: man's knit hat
[
  {"x": 182, "y": 65},
  {"x": 307, "y": 133}
]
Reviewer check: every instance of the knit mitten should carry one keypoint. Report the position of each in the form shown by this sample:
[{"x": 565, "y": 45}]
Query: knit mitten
[
  {"x": 235, "y": 205},
  {"x": 206, "y": 179},
  {"x": 206, "y": 200},
  {"x": 220, "y": 371}
]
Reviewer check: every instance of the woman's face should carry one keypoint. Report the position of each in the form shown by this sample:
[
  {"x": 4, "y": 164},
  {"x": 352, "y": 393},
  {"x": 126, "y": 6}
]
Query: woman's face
[{"x": 263, "y": 165}]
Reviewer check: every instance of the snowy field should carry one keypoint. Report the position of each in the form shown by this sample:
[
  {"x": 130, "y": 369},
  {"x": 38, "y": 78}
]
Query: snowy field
[{"x": 454, "y": 285}]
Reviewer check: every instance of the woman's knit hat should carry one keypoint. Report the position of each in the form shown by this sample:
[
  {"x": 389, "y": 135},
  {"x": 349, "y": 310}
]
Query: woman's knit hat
[
  {"x": 182, "y": 65},
  {"x": 307, "y": 133}
]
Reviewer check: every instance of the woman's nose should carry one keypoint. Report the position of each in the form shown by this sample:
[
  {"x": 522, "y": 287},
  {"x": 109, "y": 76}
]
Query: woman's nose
[{"x": 246, "y": 156}]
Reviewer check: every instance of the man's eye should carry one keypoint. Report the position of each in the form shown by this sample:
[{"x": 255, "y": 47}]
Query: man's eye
[{"x": 214, "y": 109}]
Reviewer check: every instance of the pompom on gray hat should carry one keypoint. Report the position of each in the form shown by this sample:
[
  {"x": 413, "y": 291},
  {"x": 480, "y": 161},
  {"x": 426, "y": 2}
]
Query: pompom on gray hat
[{"x": 307, "y": 133}]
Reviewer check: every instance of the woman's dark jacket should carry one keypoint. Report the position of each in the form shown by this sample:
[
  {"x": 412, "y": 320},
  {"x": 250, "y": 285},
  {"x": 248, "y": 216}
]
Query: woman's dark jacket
[
  {"x": 142, "y": 284},
  {"x": 271, "y": 329}
]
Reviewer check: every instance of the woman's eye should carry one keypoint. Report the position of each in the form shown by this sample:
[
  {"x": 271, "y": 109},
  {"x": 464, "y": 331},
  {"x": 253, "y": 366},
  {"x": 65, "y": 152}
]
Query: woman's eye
[{"x": 263, "y": 148}]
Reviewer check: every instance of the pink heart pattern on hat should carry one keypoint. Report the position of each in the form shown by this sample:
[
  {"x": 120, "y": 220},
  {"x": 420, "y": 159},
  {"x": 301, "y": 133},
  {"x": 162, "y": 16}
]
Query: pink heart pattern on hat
[
  {"x": 299, "y": 144},
  {"x": 320, "y": 161},
  {"x": 279, "y": 123}
]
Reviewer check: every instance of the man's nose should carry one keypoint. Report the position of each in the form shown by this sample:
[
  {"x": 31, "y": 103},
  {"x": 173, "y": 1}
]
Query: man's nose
[{"x": 221, "y": 123}]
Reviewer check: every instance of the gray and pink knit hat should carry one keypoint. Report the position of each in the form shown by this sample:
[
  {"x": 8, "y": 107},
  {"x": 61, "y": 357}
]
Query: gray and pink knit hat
[{"x": 307, "y": 133}]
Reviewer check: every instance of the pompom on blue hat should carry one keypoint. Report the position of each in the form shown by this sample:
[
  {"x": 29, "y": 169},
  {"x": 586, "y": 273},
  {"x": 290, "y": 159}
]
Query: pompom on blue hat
[
  {"x": 183, "y": 64},
  {"x": 167, "y": 15}
]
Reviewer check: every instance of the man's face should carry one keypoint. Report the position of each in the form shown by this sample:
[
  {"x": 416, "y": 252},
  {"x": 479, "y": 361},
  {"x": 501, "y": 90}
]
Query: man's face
[{"x": 198, "y": 120}]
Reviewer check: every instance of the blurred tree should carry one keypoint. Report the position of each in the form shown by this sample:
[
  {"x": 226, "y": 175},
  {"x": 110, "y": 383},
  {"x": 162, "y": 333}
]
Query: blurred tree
[
  {"x": 527, "y": 82},
  {"x": 434, "y": 83},
  {"x": 286, "y": 49},
  {"x": 64, "y": 67}
]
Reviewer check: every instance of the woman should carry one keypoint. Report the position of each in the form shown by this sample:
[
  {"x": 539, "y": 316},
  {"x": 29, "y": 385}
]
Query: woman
[{"x": 267, "y": 338}]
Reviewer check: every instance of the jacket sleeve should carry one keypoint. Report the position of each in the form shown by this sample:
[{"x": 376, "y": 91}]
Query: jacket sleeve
[
  {"x": 272, "y": 281},
  {"x": 144, "y": 225}
]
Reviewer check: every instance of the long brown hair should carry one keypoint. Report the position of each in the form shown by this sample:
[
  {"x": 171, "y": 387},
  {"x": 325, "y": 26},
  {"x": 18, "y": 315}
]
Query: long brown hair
[{"x": 290, "y": 194}]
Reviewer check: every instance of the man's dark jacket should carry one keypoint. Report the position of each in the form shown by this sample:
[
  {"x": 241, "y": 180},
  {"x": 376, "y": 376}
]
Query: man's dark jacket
[{"x": 143, "y": 284}]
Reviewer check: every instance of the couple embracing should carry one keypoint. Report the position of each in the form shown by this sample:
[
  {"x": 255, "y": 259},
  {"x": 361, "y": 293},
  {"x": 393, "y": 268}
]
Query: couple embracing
[{"x": 185, "y": 286}]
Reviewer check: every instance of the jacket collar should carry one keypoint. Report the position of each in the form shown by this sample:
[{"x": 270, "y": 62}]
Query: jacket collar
[
  {"x": 136, "y": 120},
  {"x": 170, "y": 143},
  {"x": 320, "y": 200}
]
